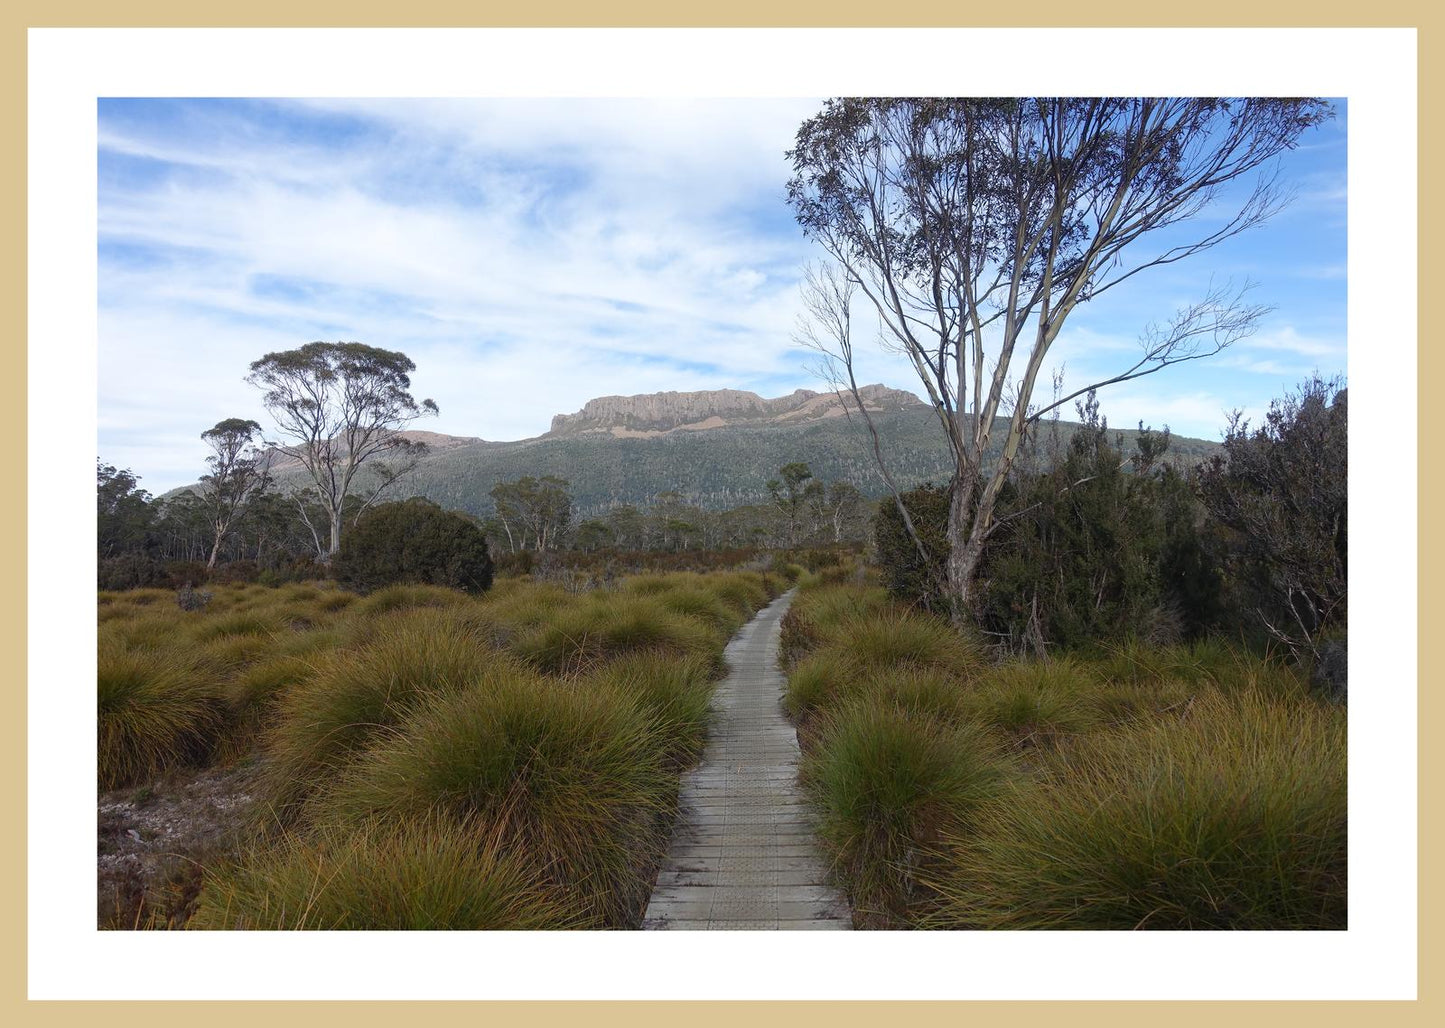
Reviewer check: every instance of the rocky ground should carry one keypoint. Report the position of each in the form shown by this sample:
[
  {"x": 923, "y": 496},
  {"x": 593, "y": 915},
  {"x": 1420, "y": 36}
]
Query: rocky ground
[{"x": 154, "y": 841}]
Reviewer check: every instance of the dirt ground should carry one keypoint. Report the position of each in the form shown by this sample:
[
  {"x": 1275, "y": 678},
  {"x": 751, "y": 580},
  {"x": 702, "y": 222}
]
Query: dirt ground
[{"x": 155, "y": 840}]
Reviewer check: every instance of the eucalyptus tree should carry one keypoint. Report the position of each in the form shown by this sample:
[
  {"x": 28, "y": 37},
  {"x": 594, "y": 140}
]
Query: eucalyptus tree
[
  {"x": 973, "y": 228},
  {"x": 240, "y": 472},
  {"x": 340, "y": 406}
]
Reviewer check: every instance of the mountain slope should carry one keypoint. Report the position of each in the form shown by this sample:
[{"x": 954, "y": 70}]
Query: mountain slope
[{"x": 717, "y": 450}]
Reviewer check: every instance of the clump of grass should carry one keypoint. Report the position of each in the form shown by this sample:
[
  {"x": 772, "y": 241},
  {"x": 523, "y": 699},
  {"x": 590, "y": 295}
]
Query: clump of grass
[
  {"x": 523, "y": 606},
  {"x": 744, "y": 591},
  {"x": 705, "y": 606},
  {"x": 144, "y": 630},
  {"x": 237, "y": 624},
  {"x": 354, "y": 695},
  {"x": 334, "y": 601},
  {"x": 1036, "y": 703},
  {"x": 413, "y": 875},
  {"x": 911, "y": 654},
  {"x": 817, "y": 613},
  {"x": 888, "y": 784},
  {"x": 581, "y": 638},
  {"x": 896, "y": 638},
  {"x": 676, "y": 693},
  {"x": 256, "y": 688},
  {"x": 575, "y": 780},
  {"x": 400, "y": 597},
  {"x": 156, "y": 711},
  {"x": 1233, "y": 816}
]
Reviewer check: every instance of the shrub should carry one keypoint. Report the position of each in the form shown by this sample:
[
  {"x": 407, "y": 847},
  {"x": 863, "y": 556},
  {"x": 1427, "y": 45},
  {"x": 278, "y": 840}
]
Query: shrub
[
  {"x": 1281, "y": 493},
  {"x": 129, "y": 571},
  {"x": 908, "y": 576},
  {"x": 235, "y": 572},
  {"x": 189, "y": 599},
  {"x": 424, "y": 874},
  {"x": 1232, "y": 817},
  {"x": 414, "y": 541}
]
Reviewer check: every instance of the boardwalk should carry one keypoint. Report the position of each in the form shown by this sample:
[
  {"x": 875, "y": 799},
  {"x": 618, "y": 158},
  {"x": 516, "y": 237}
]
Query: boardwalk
[{"x": 743, "y": 856}]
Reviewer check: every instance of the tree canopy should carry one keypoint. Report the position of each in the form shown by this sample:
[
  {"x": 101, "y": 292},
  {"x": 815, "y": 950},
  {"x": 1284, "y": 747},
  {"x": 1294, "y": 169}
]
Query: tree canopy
[
  {"x": 973, "y": 228},
  {"x": 339, "y": 406}
]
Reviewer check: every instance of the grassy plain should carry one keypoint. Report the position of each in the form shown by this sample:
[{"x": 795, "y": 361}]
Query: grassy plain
[
  {"x": 419, "y": 758},
  {"x": 1136, "y": 787}
]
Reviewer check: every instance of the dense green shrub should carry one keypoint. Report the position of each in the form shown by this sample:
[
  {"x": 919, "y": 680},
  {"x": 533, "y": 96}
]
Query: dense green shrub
[
  {"x": 130, "y": 571},
  {"x": 414, "y": 541},
  {"x": 1281, "y": 494},
  {"x": 908, "y": 576}
]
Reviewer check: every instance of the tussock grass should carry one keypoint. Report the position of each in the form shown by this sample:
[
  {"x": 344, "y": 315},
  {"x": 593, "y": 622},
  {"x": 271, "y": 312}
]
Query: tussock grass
[
  {"x": 426, "y": 874},
  {"x": 1231, "y": 817},
  {"x": 897, "y": 639},
  {"x": 402, "y": 597},
  {"x": 353, "y": 696},
  {"x": 677, "y": 694},
  {"x": 906, "y": 651},
  {"x": 888, "y": 783},
  {"x": 335, "y": 600},
  {"x": 155, "y": 712},
  {"x": 581, "y": 638},
  {"x": 1035, "y": 703},
  {"x": 744, "y": 591},
  {"x": 574, "y": 779}
]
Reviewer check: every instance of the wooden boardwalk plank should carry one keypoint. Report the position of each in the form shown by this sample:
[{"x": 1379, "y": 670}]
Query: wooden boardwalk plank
[{"x": 743, "y": 856}]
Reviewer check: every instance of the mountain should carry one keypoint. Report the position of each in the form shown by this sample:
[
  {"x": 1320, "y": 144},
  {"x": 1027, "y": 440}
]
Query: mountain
[
  {"x": 717, "y": 449},
  {"x": 655, "y": 414}
]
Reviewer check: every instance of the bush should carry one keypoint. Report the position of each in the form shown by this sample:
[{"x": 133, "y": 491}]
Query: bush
[
  {"x": 908, "y": 576},
  {"x": 1281, "y": 493},
  {"x": 129, "y": 571},
  {"x": 414, "y": 541}
]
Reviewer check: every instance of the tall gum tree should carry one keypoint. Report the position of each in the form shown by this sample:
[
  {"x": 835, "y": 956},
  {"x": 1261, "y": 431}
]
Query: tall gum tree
[
  {"x": 974, "y": 227},
  {"x": 239, "y": 473},
  {"x": 340, "y": 406}
]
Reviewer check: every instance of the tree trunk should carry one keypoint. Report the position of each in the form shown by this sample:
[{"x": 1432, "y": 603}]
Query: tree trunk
[{"x": 335, "y": 534}]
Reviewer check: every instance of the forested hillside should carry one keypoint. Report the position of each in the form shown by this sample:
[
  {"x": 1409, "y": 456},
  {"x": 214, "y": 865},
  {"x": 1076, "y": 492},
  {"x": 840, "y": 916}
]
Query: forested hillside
[{"x": 715, "y": 469}]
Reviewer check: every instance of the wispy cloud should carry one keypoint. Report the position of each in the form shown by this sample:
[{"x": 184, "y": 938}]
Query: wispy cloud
[{"x": 527, "y": 254}]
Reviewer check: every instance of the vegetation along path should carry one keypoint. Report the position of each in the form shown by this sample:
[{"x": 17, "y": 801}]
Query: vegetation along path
[{"x": 743, "y": 856}]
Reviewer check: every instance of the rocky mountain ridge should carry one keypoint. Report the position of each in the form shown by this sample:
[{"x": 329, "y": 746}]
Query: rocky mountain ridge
[{"x": 654, "y": 414}]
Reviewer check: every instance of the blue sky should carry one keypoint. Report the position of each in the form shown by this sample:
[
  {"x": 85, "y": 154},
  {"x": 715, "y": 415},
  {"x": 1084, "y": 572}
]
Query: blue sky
[{"x": 531, "y": 254}]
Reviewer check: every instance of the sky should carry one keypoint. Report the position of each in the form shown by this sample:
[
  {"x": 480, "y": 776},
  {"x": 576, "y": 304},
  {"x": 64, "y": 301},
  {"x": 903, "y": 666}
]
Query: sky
[{"x": 531, "y": 254}]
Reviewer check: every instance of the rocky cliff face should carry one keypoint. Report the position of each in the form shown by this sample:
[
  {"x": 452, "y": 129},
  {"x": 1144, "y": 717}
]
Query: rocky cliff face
[{"x": 660, "y": 413}]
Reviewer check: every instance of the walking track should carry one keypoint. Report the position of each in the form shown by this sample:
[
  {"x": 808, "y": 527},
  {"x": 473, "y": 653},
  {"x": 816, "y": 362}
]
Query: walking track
[{"x": 743, "y": 855}]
